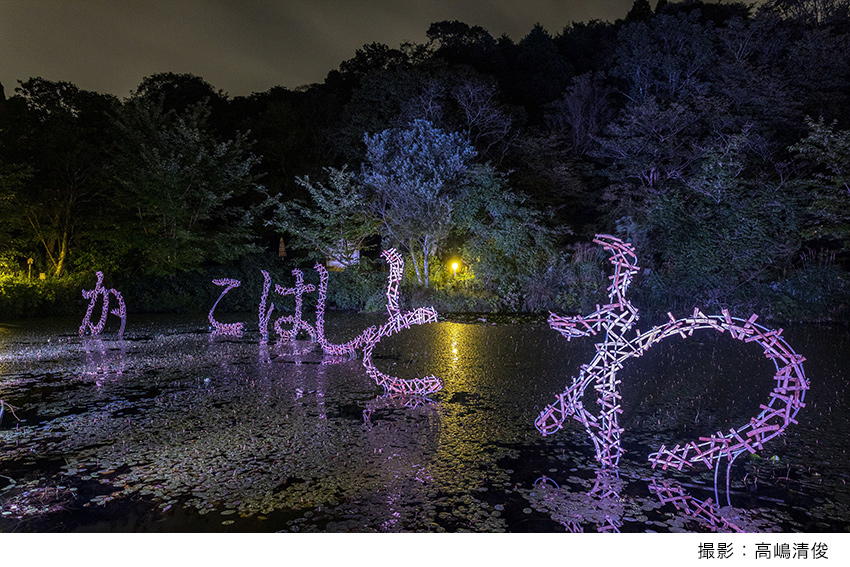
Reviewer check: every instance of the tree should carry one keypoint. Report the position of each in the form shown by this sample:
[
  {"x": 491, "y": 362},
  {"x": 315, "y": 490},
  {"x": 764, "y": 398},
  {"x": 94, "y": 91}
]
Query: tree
[
  {"x": 588, "y": 47},
  {"x": 411, "y": 176},
  {"x": 827, "y": 184},
  {"x": 484, "y": 120},
  {"x": 507, "y": 241},
  {"x": 456, "y": 99},
  {"x": 582, "y": 112},
  {"x": 179, "y": 91},
  {"x": 333, "y": 222},
  {"x": 13, "y": 229},
  {"x": 811, "y": 12},
  {"x": 640, "y": 11},
  {"x": 457, "y": 42},
  {"x": 717, "y": 234},
  {"x": 650, "y": 146},
  {"x": 371, "y": 57},
  {"x": 182, "y": 185},
  {"x": 58, "y": 136},
  {"x": 669, "y": 58},
  {"x": 537, "y": 74}
]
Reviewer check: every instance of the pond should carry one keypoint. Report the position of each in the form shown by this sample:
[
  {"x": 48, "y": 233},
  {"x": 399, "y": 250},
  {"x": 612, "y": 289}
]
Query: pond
[{"x": 174, "y": 429}]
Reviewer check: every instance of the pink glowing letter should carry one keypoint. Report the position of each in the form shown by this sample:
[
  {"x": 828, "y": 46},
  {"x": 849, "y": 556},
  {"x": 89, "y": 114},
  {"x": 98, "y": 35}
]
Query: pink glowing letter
[
  {"x": 92, "y": 296},
  {"x": 297, "y": 323},
  {"x": 224, "y": 328},
  {"x": 611, "y": 322}
]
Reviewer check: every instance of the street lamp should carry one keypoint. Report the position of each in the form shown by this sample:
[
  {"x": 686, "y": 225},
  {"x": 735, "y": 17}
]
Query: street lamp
[
  {"x": 454, "y": 268},
  {"x": 29, "y": 263}
]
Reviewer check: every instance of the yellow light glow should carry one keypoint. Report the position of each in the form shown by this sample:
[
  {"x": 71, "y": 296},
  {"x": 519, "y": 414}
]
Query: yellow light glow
[{"x": 454, "y": 266}]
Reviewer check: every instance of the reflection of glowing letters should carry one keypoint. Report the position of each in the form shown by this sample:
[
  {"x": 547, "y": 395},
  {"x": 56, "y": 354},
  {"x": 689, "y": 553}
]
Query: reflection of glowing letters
[
  {"x": 612, "y": 322},
  {"x": 671, "y": 492},
  {"x": 92, "y": 295},
  {"x": 234, "y": 329}
]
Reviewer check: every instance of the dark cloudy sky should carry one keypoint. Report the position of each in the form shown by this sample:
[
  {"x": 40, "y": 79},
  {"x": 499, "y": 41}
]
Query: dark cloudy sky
[{"x": 241, "y": 46}]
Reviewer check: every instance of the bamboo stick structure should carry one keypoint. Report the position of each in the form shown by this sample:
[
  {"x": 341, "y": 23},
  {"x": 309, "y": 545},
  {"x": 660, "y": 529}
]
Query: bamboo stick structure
[
  {"x": 92, "y": 295},
  {"x": 365, "y": 341},
  {"x": 612, "y": 323},
  {"x": 234, "y": 329}
]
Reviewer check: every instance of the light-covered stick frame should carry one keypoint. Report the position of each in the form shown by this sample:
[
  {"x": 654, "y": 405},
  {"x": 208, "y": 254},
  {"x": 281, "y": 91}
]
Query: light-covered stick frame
[
  {"x": 234, "y": 329},
  {"x": 671, "y": 492},
  {"x": 92, "y": 295},
  {"x": 335, "y": 351},
  {"x": 373, "y": 335},
  {"x": 338, "y": 352},
  {"x": 612, "y": 323},
  {"x": 264, "y": 314},
  {"x": 298, "y": 324}
]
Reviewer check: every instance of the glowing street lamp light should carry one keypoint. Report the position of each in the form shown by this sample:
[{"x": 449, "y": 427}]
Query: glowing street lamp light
[{"x": 454, "y": 268}]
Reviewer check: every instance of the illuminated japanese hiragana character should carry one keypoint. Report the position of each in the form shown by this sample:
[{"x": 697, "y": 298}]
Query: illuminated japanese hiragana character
[
  {"x": 264, "y": 314},
  {"x": 298, "y": 324},
  {"x": 612, "y": 323},
  {"x": 373, "y": 335},
  {"x": 92, "y": 295},
  {"x": 234, "y": 329}
]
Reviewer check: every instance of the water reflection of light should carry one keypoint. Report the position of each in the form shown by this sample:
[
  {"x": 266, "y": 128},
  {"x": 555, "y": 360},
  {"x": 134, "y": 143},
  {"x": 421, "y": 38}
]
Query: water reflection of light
[{"x": 455, "y": 337}]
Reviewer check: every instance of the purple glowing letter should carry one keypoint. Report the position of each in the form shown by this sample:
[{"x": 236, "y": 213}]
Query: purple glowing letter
[
  {"x": 224, "y": 328},
  {"x": 92, "y": 296},
  {"x": 613, "y": 321}
]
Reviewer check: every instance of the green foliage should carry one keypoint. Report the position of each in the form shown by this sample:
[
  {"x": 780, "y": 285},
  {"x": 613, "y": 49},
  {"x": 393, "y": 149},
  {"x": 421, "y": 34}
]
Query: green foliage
[
  {"x": 827, "y": 150},
  {"x": 684, "y": 131},
  {"x": 583, "y": 281},
  {"x": 719, "y": 239},
  {"x": 667, "y": 58},
  {"x": 816, "y": 289},
  {"x": 13, "y": 240},
  {"x": 183, "y": 184},
  {"x": 55, "y": 154},
  {"x": 506, "y": 241},
  {"x": 24, "y": 297},
  {"x": 361, "y": 287},
  {"x": 194, "y": 292},
  {"x": 412, "y": 176},
  {"x": 334, "y": 223}
]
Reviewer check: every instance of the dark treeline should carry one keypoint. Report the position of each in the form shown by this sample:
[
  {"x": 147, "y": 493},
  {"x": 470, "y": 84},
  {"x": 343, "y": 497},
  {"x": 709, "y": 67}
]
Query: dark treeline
[{"x": 713, "y": 136}]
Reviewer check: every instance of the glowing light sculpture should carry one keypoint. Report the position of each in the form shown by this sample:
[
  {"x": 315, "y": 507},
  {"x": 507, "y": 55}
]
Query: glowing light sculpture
[
  {"x": 612, "y": 322},
  {"x": 394, "y": 324},
  {"x": 264, "y": 314},
  {"x": 297, "y": 323},
  {"x": 373, "y": 335},
  {"x": 233, "y": 329},
  {"x": 92, "y": 295},
  {"x": 671, "y": 492},
  {"x": 347, "y": 350}
]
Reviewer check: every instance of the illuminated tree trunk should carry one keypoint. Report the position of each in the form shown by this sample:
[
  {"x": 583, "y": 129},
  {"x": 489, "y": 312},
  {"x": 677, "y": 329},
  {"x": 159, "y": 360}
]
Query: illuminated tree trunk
[
  {"x": 412, "y": 246},
  {"x": 63, "y": 254}
]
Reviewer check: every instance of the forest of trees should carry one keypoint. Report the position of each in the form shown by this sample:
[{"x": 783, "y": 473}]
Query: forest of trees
[{"x": 713, "y": 136}]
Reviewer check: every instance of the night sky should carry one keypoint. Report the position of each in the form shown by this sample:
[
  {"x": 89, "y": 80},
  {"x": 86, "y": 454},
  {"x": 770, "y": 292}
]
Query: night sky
[{"x": 241, "y": 46}]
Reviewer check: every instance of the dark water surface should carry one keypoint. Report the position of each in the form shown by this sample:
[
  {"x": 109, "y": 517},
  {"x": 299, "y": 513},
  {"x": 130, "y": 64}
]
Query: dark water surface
[{"x": 174, "y": 429}]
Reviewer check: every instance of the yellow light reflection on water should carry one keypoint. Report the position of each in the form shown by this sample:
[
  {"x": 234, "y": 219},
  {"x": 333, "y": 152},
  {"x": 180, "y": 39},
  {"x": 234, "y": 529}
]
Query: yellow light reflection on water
[
  {"x": 456, "y": 343},
  {"x": 461, "y": 458}
]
